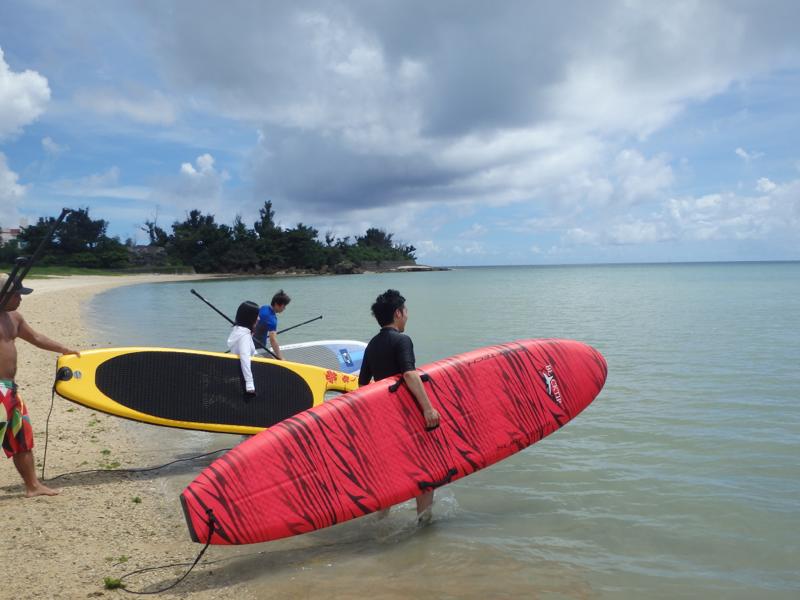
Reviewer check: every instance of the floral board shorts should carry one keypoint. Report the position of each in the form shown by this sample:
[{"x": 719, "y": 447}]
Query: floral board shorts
[{"x": 15, "y": 425}]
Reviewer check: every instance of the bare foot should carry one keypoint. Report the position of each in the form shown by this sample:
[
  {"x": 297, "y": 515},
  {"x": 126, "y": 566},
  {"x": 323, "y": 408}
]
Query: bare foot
[{"x": 41, "y": 490}]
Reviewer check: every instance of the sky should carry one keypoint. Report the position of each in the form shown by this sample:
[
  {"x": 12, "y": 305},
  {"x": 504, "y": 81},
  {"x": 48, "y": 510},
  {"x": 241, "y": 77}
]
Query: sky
[{"x": 481, "y": 133}]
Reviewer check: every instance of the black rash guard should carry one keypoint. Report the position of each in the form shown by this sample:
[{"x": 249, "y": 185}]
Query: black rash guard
[{"x": 388, "y": 353}]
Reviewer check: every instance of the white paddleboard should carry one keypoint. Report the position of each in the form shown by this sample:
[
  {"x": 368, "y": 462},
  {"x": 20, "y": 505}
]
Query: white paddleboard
[{"x": 339, "y": 355}]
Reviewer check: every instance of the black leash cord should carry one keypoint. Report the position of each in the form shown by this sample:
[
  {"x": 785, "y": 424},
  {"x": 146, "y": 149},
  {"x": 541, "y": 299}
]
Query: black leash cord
[
  {"x": 139, "y": 470},
  {"x": 211, "y": 523},
  {"x": 47, "y": 426}
]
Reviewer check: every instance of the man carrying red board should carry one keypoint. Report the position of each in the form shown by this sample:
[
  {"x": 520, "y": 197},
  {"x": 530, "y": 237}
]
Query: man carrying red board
[{"x": 390, "y": 353}]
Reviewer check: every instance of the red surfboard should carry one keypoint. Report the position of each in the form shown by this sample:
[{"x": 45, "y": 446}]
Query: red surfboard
[{"x": 368, "y": 450}]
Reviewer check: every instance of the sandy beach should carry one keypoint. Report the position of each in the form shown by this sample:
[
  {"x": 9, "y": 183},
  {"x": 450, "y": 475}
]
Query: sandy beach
[{"x": 102, "y": 524}]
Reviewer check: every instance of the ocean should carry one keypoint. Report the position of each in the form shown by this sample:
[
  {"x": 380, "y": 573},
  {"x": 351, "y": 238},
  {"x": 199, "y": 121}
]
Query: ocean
[{"x": 682, "y": 479}]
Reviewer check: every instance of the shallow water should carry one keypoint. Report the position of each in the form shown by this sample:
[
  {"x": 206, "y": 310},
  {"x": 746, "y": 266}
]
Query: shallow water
[{"x": 681, "y": 479}]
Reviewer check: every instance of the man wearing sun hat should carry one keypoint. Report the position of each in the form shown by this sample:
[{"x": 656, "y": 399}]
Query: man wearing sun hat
[{"x": 16, "y": 432}]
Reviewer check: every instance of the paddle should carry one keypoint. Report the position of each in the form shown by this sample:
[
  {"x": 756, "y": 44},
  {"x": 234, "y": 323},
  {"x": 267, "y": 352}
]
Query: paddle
[
  {"x": 15, "y": 277},
  {"x": 298, "y": 325},
  {"x": 224, "y": 316}
]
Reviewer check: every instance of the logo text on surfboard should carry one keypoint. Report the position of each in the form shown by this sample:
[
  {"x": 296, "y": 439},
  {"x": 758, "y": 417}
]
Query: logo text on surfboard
[{"x": 550, "y": 381}]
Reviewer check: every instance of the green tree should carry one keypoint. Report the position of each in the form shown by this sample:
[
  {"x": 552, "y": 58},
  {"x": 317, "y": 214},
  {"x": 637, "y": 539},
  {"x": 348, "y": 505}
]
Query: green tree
[
  {"x": 302, "y": 249},
  {"x": 156, "y": 235},
  {"x": 79, "y": 241},
  {"x": 242, "y": 254},
  {"x": 270, "y": 239},
  {"x": 375, "y": 238},
  {"x": 200, "y": 242}
]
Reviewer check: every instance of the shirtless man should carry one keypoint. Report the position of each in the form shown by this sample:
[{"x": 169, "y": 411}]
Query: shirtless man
[{"x": 15, "y": 426}]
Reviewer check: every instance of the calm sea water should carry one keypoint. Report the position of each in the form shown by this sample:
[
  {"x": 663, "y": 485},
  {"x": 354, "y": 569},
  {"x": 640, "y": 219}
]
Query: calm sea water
[{"x": 681, "y": 480}]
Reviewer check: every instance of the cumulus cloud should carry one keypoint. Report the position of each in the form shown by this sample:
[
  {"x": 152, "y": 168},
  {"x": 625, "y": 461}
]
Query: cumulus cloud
[
  {"x": 640, "y": 178},
  {"x": 774, "y": 213},
  {"x": 748, "y": 156},
  {"x": 11, "y": 194},
  {"x": 765, "y": 185},
  {"x": 23, "y": 98},
  {"x": 149, "y": 107},
  {"x": 427, "y": 249},
  {"x": 99, "y": 185},
  {"x": 51, "y": 147},
  {"x": 198, "y": 185},
  {"x": 364, "y": 105},
  {"x": 366, "y": 111}
]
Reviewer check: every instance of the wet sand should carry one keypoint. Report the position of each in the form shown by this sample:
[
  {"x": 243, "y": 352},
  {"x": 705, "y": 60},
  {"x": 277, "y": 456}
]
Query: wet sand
[{"x": 102, "y": 524}]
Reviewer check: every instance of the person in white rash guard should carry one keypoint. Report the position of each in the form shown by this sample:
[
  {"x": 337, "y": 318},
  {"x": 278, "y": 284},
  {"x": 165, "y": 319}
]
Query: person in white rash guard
[{"x": 240, "y": 341}]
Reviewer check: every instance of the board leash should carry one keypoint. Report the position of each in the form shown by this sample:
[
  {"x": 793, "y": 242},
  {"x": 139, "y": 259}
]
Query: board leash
[
  {"x": 212, "y": 523},
  {"x": 131, "y": 470},
  {"x": 211, "y": 519}
]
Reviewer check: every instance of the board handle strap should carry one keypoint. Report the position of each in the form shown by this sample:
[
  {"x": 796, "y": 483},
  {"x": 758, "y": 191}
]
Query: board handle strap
[{"x": 426, "y": 485}]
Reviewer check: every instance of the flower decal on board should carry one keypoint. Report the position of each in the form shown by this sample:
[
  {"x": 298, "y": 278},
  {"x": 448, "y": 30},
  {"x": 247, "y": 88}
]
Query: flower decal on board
[{"x": 330, "y": 376}]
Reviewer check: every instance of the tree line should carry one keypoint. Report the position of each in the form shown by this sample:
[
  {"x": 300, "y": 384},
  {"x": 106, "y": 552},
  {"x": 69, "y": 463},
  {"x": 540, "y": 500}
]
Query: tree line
[{"x": 210, "y": 247}]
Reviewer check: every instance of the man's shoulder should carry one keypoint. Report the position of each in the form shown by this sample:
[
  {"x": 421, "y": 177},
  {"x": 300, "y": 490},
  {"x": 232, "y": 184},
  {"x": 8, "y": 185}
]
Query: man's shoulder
[
  {"x": 400, "y": 337},
  {"x": 15, "y": 316}
]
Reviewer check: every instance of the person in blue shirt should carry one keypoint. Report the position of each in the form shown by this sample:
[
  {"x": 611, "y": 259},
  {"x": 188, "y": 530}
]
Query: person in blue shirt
[{"x": 267, "y": 324}]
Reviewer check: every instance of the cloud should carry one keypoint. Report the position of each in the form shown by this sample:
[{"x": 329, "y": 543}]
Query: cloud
[
  {"x": 773, "y": 214},
  {"x": 639, "y": 178},
  {"x": 11, "y": 194},
  {"x": 361, "y": 105},
  {"x": 748, "y": 156},
  {"x": 765, "y": 185},
  {"x": 471, "y": 248},
  {"x": 198, "y": 185},
  {"x": 99, "y": 185},
  {"x": 51, "y": 147},
  {"x": 418, "y": 116},
  {"x": 23, "y": 98},
  {"x": 149, "y": 107},
  {"x": 639, "y": 232},
  {"x": 204, "y": 169},
  {"x": 475, "y": 230},
  {"x": 427, "y": 249}
]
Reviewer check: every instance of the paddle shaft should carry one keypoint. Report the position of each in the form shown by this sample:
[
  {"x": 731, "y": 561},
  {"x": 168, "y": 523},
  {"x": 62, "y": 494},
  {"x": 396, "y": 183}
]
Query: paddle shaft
[
  {"x": 298, "y": 325},
  {"x": 22, "y": 265},
  {"x": 227, "y": 318}
]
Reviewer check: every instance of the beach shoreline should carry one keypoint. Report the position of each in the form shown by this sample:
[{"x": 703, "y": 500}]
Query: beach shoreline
[{"x": 102, "y": 524}]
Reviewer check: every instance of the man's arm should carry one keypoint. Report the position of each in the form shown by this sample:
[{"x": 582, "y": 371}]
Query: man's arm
[
  {"x": 27, "y": 333},
  {"x": 365, "y": 374},
  {"x": 414, "y": 383},
  {"x": 276, "y": 349}
]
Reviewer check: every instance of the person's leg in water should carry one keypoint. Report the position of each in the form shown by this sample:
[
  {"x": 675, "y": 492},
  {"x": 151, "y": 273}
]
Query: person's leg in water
[{"x": 425, "y": 508}]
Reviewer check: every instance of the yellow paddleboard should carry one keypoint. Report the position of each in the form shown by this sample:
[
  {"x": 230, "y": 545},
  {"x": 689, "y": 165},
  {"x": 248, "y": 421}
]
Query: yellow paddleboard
[{"x": 193, "y": 389}]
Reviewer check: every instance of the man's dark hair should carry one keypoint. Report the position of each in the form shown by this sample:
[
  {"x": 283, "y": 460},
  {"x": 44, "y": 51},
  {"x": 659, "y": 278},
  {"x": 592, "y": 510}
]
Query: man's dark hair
[
  {"x": 281, "y": 298},
  {"x": 385, "y": 305},
  {"x": 247, "y": 314}
]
